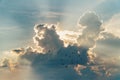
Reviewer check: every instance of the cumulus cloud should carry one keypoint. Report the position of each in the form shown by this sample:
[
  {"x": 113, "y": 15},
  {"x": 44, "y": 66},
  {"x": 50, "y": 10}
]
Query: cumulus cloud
[
  {"x": 56, "y": 61},
  {"x": 47, "y": 38},
  {"x": 92, "y": 27}
]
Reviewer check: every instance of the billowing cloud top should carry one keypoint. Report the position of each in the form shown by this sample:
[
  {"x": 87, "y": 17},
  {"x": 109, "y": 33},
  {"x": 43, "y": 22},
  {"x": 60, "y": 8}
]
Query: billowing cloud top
[
  {"x": 92, "y": 25},
  {"x": 47, "y": 38}
]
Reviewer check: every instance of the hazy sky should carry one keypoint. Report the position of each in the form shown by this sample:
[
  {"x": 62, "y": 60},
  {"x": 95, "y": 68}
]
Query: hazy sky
[
  {"x": 17, "y": 17},
  {"x": 85, "y": 45}
]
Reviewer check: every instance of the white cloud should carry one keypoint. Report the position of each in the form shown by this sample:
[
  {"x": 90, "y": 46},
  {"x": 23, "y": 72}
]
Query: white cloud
[
  {"x": 113, "y": 25},
  {"x": 92, "y": 27},
  {"x": 69, "y": 37},
  {"x": 47, "y": 38}
]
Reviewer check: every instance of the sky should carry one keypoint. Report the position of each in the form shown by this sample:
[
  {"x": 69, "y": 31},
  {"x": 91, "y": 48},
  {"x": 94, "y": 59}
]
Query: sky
[{"x": 60, "y": 39}]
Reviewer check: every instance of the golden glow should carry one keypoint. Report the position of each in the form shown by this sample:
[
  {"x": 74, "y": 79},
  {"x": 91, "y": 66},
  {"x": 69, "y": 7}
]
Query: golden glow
[{"x": 69, "y": 37}]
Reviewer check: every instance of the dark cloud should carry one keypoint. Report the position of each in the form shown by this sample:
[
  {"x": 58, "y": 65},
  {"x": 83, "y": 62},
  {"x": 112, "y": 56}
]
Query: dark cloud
[
  {"x": 71, "y": 55},
  {"x": 61, "y": 65},
  {"x": 18, "y": 51}
]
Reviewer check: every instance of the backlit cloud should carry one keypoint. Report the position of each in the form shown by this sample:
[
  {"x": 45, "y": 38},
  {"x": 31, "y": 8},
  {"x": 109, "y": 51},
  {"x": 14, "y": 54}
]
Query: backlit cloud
[
  {"x": 47, "y": 38},
  {"x": 92, "y": 27},
  {"x": 52, "y": 60}
]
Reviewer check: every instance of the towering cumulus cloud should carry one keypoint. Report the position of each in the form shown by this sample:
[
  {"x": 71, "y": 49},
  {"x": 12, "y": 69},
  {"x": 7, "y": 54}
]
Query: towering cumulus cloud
[
  {"x": 47, "y": 38},
  {"x": 56, "y": 61},
  {"x": 92, "y": 25},
  {"x": 54, "y": 52}
]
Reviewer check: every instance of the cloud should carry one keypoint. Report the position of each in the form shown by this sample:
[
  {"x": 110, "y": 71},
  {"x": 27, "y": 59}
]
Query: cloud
[
  {"x": 47, "y": 38},
  {"x": 4, "y": 62},
  {"x": 112, "y": 25},
  {"x": 106, "y": 10},
  {"x": 52, "y": 60},
  {"x": 69, "y": 37},
  {"x": 92, "y": 27},
  {"x": 109, "y": 44},
  {"x": 107, "y": 55}
]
